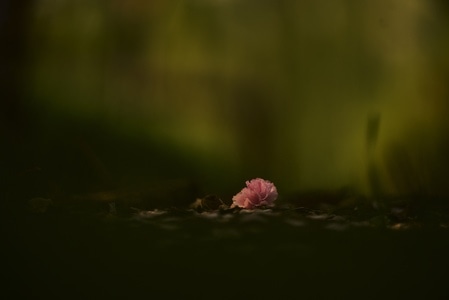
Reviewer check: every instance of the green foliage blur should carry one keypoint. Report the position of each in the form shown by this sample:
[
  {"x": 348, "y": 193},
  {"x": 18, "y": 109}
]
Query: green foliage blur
[{"x": 212, "y": 93}]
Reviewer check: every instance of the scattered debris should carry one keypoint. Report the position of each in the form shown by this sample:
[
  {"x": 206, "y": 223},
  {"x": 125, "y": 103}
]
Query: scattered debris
[{"x": 208, "y": 203}]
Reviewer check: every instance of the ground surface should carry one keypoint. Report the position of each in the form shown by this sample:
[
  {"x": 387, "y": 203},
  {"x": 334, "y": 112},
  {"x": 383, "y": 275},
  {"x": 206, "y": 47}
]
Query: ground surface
[{"x": 283, "y": 253}]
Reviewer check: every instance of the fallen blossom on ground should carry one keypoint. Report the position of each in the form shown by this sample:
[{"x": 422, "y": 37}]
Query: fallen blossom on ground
[{"x": 258, "y": 192}]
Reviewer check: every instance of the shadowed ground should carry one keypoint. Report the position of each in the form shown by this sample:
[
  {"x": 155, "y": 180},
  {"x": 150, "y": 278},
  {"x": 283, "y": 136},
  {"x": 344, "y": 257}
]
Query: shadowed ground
[{"x": 289, "y": 253}]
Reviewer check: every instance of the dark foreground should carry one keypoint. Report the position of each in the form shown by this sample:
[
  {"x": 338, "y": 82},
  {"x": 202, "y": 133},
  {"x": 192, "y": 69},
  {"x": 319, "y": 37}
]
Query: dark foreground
[{"x": 290, "y": 253}]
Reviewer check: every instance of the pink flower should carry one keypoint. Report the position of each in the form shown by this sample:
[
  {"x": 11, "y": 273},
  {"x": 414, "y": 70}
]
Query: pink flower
[{"x": 258, "y": 192}]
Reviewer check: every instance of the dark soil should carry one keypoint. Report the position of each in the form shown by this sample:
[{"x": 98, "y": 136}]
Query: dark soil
[{"x": 286, "y": 252}]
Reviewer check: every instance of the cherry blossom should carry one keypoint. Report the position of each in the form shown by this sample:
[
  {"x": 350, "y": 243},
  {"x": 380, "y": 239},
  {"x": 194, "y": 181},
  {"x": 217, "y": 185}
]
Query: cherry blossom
[{"x": 258, "y": 192}]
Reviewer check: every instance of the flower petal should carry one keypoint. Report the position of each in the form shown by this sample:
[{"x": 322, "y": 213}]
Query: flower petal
[{"x": 258, "y": 192}]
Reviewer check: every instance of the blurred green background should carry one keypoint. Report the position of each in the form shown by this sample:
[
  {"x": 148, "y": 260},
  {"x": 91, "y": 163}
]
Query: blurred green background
[{"x": 201, "y": 95}]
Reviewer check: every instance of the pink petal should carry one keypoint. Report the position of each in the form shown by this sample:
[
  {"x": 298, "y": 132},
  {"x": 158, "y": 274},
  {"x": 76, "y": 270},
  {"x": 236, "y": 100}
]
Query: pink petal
[{"x": 258, "y": 192}]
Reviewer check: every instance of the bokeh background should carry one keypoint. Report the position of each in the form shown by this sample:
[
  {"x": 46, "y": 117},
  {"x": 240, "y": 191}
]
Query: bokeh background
[{"x": 197, "y": 96}]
